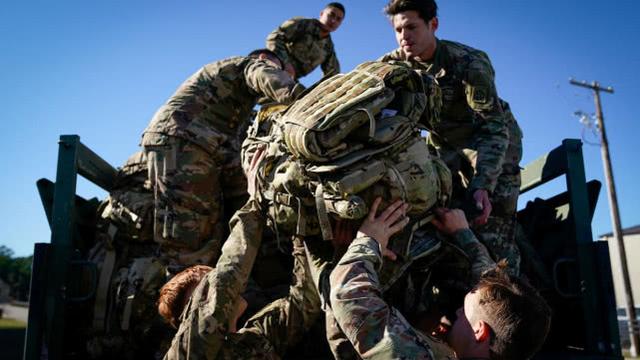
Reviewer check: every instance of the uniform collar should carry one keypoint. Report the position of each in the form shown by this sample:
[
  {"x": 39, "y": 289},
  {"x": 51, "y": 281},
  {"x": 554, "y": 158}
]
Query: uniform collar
[{"x": 435, "y": 65}]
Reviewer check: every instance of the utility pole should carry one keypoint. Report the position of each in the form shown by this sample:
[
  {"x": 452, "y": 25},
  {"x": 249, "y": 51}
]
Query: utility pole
[{"x": 615, "y": 212}]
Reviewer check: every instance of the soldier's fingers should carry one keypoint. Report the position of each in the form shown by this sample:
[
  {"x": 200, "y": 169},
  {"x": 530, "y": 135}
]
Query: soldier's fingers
[
  {"x": 395, "y": 215},
  {"x": 486, "y": 211},
  {"x": 457, "y": 212},
  {"x": 374, "y": 209},
  {"x": 398, "y": 226},
  {"x": 481, "y": 219},
  {"x": 390, "y": 209},
  {"x": 440, "y": 211},
  {"x": 389, "y": 254},
  {"x": 438, "y": 224},
  {"x": 487, "y": 206}
]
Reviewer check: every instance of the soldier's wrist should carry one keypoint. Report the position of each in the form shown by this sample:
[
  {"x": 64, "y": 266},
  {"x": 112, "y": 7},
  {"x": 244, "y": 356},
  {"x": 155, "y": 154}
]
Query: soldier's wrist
[
  {"x": 464, "y": 237},
  {"x": 368, "y": 242}
]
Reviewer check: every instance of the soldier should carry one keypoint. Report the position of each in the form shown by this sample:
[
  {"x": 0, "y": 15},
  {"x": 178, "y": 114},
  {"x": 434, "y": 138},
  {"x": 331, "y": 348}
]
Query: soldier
[
  {"x": 501, "y": 318},
  {"x": 303, "y": 44},
  {"x": 476, "y": 135},
  {"x": 207, "y": 322},
  {"x": 166, "y": 209},
  {"x": 195, "y": 138}
]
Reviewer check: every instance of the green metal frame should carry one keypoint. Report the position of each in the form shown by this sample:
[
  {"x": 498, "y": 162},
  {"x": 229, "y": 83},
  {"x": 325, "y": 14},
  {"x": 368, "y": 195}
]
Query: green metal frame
[
  {"x": 601, "y": 332},
  {"x": 51, "y": 273}
]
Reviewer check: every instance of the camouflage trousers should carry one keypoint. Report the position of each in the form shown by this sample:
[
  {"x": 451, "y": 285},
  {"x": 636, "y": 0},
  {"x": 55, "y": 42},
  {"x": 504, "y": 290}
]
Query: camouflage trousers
[{"x": 191, "y": 187}]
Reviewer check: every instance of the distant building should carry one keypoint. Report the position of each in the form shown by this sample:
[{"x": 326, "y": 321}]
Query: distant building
[
  {"x": 5, "y": 289},
  {"x": 631, "y": 239}
]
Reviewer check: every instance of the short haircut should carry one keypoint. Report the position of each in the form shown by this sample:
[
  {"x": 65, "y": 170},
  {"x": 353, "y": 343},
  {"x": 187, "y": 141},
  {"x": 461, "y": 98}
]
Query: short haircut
[
  {"x": 518, "y": 315},
  {"x": 257, "y": 52},
  {"x": 338, "y": 6},
  {"x": 427, "y": 9},
  {"x": 173, "y": 295}
]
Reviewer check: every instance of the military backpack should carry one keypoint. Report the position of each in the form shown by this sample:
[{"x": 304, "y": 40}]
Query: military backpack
[{"x": 347, "y": 140}]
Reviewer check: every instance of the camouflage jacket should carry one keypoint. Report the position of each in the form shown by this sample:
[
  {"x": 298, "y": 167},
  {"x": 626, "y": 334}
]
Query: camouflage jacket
[
  {"x": 298, "y": 42},
  {"x": 210, "y": 106},
  {"x": 376, "y": 330},
  {"x": 203, "y": 329},
  {"x": 481, "y": 261},
  {"x": 472, "y": 117}
]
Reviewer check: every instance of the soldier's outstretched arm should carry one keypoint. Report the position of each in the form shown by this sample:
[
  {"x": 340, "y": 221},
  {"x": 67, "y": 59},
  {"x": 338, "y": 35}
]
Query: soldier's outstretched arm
[
  {"x": 276, "y": 84},
  {"x": 205, "y": 324},
  {"x": 453, "y": 223},
  {"x": 376, "y": 330}
]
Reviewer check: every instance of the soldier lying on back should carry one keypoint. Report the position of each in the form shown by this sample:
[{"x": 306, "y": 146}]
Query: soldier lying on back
[{"x": 502, "y": 317}]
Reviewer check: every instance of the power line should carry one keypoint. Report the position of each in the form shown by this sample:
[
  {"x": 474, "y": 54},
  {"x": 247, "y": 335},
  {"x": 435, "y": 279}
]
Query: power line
[{"x": 615, "y": 212}]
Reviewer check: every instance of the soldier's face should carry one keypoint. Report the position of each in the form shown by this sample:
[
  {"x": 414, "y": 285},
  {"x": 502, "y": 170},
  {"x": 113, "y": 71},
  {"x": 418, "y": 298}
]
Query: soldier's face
[
  {"x": 465, "y": 334},
  {"x": 331, "y": 18},
  {"x": 415, "y": 36}
]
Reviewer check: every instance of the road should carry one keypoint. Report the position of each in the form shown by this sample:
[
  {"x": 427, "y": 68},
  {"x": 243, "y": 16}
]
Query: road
[{"x": 15, "y": 312}]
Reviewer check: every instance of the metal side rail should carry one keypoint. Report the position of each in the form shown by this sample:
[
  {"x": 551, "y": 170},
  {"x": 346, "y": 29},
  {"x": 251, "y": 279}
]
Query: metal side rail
[
  {"x": 599, "y": 337},
  {"x": 53, "y": 261}
]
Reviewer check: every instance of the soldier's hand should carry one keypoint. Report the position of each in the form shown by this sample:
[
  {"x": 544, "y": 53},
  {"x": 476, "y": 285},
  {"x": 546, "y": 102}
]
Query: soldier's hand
[
  {"x": 481, "y": 198},
  {"x": 382, "y": 227},
  {"x": 252, "y": 173},
  {"x": 450, "y": 221}
]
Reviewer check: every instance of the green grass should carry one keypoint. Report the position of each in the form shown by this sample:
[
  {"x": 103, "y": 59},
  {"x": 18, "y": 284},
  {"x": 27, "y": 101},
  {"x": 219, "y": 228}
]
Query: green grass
[{"x": 12, "y": 324}]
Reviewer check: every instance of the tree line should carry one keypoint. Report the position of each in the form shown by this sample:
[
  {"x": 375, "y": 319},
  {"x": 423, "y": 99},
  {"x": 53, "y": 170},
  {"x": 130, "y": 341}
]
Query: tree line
[{"x": 16, "y": 272}]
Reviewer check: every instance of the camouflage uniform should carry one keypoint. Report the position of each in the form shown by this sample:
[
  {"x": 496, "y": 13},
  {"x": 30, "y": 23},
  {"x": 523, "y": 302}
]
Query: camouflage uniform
[
  {"x": 376, "y": 330},
  {"x": 479, "y": 139},
  {"x": 298, "y": 42},
  {"x": 125, "y": 323},
  {"x": 192, "y": 140},
  {"x": 266, "y": 335}
]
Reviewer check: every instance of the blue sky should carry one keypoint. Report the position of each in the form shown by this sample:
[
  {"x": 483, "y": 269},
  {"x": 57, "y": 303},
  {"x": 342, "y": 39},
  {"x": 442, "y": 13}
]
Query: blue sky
[{"x": 100, "y": 69}]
